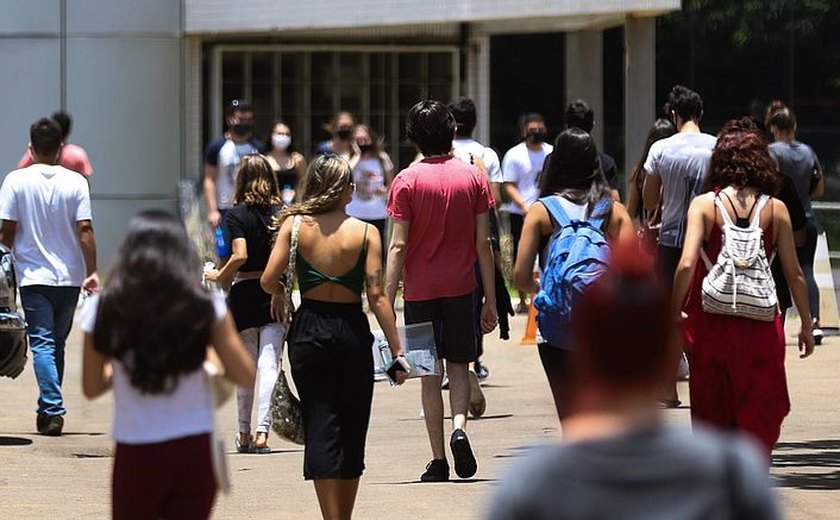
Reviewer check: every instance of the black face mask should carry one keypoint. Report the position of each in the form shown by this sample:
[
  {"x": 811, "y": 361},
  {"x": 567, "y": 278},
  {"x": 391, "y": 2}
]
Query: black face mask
[
  {"x": 535, "y": 137},
  {"x": 365, "y": 148},
  {"x": 344, "y": 133},
  {"x": 242, "y": 128}
]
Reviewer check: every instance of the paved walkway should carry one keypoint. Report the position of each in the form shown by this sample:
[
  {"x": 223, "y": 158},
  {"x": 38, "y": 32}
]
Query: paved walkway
[{"x": 68, "y": 477}]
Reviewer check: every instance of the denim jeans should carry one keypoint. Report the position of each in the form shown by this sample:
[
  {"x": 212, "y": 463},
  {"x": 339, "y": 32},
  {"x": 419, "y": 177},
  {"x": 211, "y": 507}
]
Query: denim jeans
[{"x": 49, "y": 317}]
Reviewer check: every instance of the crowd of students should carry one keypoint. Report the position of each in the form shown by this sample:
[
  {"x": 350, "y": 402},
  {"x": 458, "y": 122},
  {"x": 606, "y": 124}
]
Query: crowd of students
[{"x": 690, "y": 197}]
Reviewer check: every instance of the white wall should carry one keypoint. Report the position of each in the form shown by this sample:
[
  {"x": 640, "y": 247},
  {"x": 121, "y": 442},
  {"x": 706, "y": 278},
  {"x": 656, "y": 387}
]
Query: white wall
[{"x": 122, "y": 84}]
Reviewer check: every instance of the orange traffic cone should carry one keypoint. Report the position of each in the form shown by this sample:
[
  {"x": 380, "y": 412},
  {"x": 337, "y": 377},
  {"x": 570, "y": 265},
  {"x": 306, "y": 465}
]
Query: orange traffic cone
[{"x": 530, "y": 337}]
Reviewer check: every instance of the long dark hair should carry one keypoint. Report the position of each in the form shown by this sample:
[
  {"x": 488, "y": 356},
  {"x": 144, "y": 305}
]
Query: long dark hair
[
  {"x": 574, "y": 170},
  {"x": 154, "y": 316},
  {"x": 661, "y": 129}
]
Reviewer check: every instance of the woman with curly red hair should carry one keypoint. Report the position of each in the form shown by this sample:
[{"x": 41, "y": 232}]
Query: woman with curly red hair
[{"x": 738, "y": 377}]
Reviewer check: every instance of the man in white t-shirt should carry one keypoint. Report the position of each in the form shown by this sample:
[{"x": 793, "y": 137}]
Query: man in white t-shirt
[
  {"x": 521, "y": 169},
  {"x": 46, "y": 222},
  {"x": 464, "y": 145}
]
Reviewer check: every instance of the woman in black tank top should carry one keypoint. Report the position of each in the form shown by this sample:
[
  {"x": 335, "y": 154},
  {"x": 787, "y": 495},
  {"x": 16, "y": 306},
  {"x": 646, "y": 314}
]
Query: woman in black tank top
[{"x": 289, "y": 166}]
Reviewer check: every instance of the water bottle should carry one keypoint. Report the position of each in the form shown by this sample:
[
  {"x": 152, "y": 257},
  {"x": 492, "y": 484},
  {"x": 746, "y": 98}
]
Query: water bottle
[
  {"x": 385, "y": 354},
  {"x": 288, "y": 195},
  {"x": 222, "y": 247}
]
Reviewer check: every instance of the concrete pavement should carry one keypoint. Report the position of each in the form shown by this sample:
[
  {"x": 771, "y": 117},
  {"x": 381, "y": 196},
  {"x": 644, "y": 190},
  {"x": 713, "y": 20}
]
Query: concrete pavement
[{"x": 69, "y": 477}]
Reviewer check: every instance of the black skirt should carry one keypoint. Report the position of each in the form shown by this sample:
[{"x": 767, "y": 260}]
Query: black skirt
[{"x": 332, "y": 365}]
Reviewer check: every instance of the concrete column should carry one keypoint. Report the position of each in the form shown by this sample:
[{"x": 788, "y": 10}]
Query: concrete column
[
  {"x": 478, "y": 84},
  {"x": 639, "y": 85},
  {"x": 585, "y": 75}
]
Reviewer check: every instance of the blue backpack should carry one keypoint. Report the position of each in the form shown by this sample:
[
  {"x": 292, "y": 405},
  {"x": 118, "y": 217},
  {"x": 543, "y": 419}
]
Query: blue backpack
[{"x": 577, "y": 255}]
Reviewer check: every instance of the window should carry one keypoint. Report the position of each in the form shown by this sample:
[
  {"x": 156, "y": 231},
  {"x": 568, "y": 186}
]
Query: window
[{"x": 306, "y": 86}]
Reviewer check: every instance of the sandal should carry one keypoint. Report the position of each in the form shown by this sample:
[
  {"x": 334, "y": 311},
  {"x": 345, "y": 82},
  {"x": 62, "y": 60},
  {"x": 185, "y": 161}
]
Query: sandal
[
  {"x": 240, "y": 448},
  {"x": 264, "y": 448},
  {"x": 669, "y": 403}
]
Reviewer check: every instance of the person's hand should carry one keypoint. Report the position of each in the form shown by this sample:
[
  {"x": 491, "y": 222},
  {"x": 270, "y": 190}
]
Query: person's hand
[
  {"x": 91, "y": 286},
  {"x": 214, "y": 218},
  {"x": 806, "y": 342},
  {"x": 212, "y": 275},
  {"x": 276, "y": 309},
  {"x": 402, "y": 375},
  {"x": 489, "y": 318}
]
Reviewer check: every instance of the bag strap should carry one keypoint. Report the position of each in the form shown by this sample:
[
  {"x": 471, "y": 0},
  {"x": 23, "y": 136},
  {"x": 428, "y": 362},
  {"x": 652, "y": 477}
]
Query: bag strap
[
  {"x": 727, "y": 220},
  {"x": 601, "y": 208},
  {"x": 555, "y": 209},
  {"x": 757, "y": 207},
  {"x": 291, "y": 272}
]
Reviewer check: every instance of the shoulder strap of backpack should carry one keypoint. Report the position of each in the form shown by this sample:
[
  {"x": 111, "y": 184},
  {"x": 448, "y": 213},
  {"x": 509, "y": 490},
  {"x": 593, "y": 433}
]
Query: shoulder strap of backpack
[
  {"x": 555, "y": 209},
  {"x": 724, "y": 213},
  {"x": 601, "y": 209},
  {"x": 759, "y": 205}
]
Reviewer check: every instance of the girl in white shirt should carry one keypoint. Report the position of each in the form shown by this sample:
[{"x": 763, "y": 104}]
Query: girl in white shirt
[{"x": 146, "y": 335}]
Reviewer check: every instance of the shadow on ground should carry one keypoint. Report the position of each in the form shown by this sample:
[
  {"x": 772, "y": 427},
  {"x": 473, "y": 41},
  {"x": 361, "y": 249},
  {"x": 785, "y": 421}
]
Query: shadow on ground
[
  {"x": 14, "y": 441},
  {"x": 799, "y": 464}
]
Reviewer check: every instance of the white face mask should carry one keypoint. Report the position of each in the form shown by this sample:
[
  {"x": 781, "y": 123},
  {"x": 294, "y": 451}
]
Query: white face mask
[{"x": 281, "y": 141}]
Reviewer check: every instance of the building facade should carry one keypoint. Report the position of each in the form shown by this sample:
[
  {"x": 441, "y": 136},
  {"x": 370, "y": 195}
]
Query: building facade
[{"x": 146, "y": 81}]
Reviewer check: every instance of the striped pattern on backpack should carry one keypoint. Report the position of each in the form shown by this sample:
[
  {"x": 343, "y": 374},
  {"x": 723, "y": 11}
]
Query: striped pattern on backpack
[{"x": 740, "y": 283}]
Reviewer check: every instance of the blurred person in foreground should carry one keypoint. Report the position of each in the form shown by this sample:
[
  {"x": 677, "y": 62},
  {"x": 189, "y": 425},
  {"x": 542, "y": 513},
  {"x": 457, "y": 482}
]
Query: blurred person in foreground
[{"x": 619, "y": 459}]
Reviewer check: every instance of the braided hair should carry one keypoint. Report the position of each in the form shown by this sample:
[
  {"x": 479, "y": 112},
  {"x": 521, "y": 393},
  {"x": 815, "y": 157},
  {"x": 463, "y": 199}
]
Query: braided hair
[{"x": 327, "y": 178}]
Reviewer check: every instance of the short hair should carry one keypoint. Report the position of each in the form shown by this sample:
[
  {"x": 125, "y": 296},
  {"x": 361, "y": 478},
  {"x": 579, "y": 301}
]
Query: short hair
[
  {"x": 531, "y": 117},
  {"x": 463, "y": 109},
  {"x": 65, "y": 122},
  {"x": 579, "y": 114},
  {"x": 780, "y": 116},
  {"x": 45, "y": 137},
  {"x": 238, "y": 105},
  {"x": 430, "y": 126},
  {"x": 685, "y": 102}
]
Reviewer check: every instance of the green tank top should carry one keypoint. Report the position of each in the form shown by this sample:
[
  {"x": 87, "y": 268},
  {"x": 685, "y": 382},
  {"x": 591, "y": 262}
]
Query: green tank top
[{"x": 354, "y": 279}]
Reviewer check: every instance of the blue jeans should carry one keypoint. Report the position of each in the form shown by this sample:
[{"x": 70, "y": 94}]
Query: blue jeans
[{"x": 49, "y": 317}]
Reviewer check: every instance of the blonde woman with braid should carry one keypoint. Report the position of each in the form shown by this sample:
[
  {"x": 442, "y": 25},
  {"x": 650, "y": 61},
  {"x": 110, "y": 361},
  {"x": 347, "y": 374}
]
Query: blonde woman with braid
[{"x": 338, "y": 258}]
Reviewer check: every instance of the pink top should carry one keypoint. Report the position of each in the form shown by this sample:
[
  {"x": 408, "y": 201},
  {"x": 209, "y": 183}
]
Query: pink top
[
  {"x": 440, "y": 198},
  {"x": 71, "y": 157}
]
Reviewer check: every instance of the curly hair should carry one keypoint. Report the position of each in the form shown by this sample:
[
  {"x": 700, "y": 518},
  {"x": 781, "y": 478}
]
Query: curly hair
[
  {"x": 256, "y": 184},
  {"x": 326, "y": 180},
  {"x": 153, "y": 315},
  {"x": 741, "y": 159}
]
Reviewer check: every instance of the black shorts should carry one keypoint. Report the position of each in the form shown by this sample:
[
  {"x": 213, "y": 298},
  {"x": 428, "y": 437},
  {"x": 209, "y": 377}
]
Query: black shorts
[
  {"x": 454, "y": 324},
  {"x": 249, "y": 305},
  {"x": 332, "y": 365}
]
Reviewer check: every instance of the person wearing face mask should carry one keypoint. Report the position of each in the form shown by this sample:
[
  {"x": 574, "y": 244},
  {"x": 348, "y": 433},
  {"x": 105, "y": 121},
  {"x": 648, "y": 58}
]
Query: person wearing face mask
[
  {"x": 341, "y": 143},
  {"x": 521, "y": 167},
  {"x": 373, "y": 172},
  {"x": 221, "y": 162},
  {"x": 289, "y": 166}
]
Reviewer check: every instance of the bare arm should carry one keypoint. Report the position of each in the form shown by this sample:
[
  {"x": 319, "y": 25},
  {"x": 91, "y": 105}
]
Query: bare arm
[
  {"x": 634, "y": 199},
  {"x": 377, "y": 301},
  {"x": 652, "y": 192},
  {"x": 486, "y": 267},
  {"x": 396, "y": 258},
  {"x": 88, "y": 243},
  {"x": 819, "y": 188},
  {"x": 793, "y": 274},
  {"x": 695, "y": 232},
  {"x": 239, "y": 367},
  {"x": 97, "y": 372},
  {"x": 515, "y": 196},
  {"x": 272, "y": 278},
  {"x": 529, "y": 243},
  {"x": 210, "y": 174},
  {"x": 238, "y": 257},
  {"x": 300, "y": 168},
  {"x": 8, "y": 231},
  {"x": 620, "y": 226}
]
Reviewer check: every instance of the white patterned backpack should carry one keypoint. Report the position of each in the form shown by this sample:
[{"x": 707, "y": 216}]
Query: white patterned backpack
[{"x": 740, "y": 282}]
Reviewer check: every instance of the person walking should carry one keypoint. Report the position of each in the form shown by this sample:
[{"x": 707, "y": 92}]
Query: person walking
[
  {"x": 73, "y": 157},
  {"x": 257, "y": 200},
  {"x": 619, "y": 458},
  {"x": 662, "y": 128},
  {"x": 221, "y": 162},
  {"x": 579, "y": 114},
  {"x": 521, "y": 167},
  {"x": 289, "y": 166},
  {"x": 440, "y": 229},
  {"x": 738, "y": 353},
  {"x": 373, "y": 173},
  {"x": 574, "y": 182},
  {"x": 337, "y": 258},
  {"x": 799, "y": 163},
  {"x": 146, "y": 336},
  {"x": 341, "y": 142},
  {"x": 47, "y": 223}
]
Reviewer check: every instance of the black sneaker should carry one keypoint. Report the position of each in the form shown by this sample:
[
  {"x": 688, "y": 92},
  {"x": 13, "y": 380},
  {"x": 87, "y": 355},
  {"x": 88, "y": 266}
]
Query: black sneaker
[
  {"x": 49, "y": 424},
  {"x": 465, "y": 464},
  {"x": 436, "y": 471}
]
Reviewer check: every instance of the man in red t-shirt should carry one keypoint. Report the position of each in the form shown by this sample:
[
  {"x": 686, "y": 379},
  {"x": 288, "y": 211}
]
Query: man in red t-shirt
[
  {"x": 440, "y": 228},
  {"x": 71, "y": 156}
]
